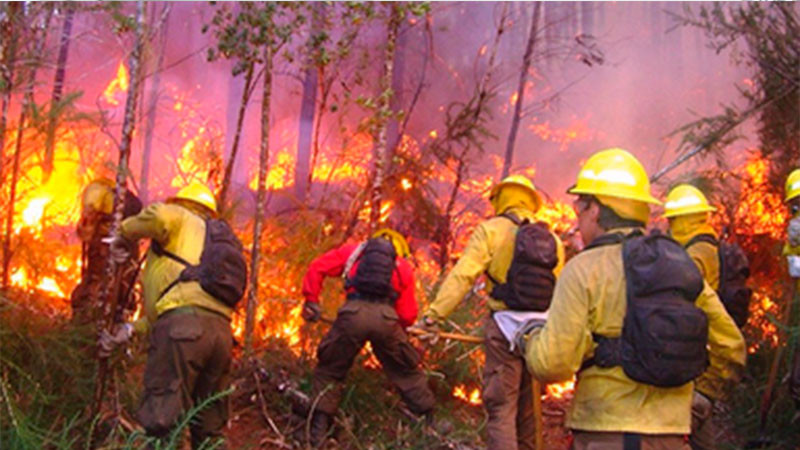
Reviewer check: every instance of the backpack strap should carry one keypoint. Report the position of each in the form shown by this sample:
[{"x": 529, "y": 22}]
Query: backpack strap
[
  {"x": 705, "y": 237},
  {"x": 611, "y": 239},
  {"x": 159, "y": 250}
]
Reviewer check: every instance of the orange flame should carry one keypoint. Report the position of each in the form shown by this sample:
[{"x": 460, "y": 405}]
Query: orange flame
[
  {"x": 118, "y": 85},
  {"x": 474, "y": 397}
]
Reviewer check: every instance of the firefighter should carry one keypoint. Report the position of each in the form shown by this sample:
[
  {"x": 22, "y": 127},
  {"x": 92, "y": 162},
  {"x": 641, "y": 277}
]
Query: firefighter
[
  {"x": 689, "y": 212},
  {"x": 507, "y": 387},
  {"x": 792, "y": 252},
  {"x": 97, "y": 202},
  {"x": 379, "y": 285},
  {"x": 583, "y": 332},
  {"x": 190, "y": 338}
]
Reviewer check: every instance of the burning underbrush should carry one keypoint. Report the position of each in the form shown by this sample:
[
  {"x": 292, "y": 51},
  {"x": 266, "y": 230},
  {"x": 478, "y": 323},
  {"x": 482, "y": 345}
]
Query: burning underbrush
[{"x": 284, "y": 344}]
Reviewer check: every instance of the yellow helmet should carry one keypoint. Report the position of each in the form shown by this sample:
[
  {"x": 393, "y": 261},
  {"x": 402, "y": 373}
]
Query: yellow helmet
[
  {"x": 398, "y": 241},
  {"x": 686, "y": 199},
  {"x": 793, "y": 185},
  {"x": 199, "y": 193},
  {"x": 614, "y": 173},
  {"x": 518, "y": 180},
  {"x": 99, "y": 196}
]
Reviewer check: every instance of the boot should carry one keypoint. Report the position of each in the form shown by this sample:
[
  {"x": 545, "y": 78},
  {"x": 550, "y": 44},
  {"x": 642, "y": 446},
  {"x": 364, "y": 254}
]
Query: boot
[{"x": 320, "y": 424}]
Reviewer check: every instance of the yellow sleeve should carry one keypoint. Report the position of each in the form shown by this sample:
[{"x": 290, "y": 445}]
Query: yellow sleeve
[
  {"x": 706, "y": 259},
  {"x": 727, "y": 352},
  {"x": 557, "y": 351},
  {"x": 154, "y": 222},
  {"x": 560, "y": 254},
  {"x": 473, "y": 262}
]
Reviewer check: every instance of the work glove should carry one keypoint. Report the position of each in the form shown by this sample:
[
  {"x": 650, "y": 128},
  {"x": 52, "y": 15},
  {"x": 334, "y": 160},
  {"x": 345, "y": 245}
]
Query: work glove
[
  {"x": 431, "y": 327},
  {"x": 109, "y": 341},
  {"x": 311, "y": 311},
  {"x": 523, "y": 333},
  {"x": 702, "y": 407},
  {"x": 118, "y": 248}
]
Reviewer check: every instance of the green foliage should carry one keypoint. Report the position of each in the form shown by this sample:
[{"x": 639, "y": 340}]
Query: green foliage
[
  {"x": 242, "y": 36},
  {"x": 763, "y": 37}
]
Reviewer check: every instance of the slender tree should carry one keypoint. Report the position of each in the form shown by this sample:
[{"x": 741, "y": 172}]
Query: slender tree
[
  {"x": 106, "y": 302},
  {"x": 58, "y": 89},
  {"x": 39, "y": 36},
  {"x": 152, "y": 106},
  {"x": 254, "y": 35},
  {"x": 308, "y": 104},
  {"x": 381, "y": 155},
  {"x": 9, "y": 37},
  {"x": 520, "y": 94},
  {"x": 242, "y": 47}
]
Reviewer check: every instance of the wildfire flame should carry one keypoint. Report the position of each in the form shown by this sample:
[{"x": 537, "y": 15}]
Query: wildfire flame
[{"x": 118, "y": 85}]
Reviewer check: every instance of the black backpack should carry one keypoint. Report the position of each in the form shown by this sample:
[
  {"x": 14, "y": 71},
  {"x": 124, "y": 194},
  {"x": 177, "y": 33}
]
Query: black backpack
[
  {"x": 530, "y": 279},
  {"x": 734, "y": 270},
  {"x": 222, "y": 271},
  {"x": 664, "y": 335},
  {"x": 373, "y": 278}
]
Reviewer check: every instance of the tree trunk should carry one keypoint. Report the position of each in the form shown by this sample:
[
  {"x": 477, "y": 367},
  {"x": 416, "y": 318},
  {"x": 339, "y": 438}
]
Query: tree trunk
[
  {"x": 58, "y": 89},
  {"x": 226, "y": 179},
  {"x": 106, "y": 302},
  {"x": 263, "y": 160},
  {"x": 27, "y": 104},
  {"x": 152, "y": 109},
  {"x": 393, "y": 136},
  {"x": 523, "y": 77},
  {"x": 7, "y": 73},
  {"x": 302, "y": 169},
  {"x": 381, "y": 153}
]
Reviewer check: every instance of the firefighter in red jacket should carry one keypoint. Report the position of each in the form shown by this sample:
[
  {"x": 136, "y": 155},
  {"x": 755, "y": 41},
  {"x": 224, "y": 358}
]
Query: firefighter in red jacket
[{"x": 379, "y": 284}]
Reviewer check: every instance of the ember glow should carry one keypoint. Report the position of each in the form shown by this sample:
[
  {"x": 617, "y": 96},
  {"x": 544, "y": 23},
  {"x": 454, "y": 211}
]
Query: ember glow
[{"x": 472, "y": 397}]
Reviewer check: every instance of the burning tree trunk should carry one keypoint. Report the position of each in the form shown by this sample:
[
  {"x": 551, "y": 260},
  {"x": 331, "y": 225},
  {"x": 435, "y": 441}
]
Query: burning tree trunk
[
  {"x": 523, "y": 77},
  {"x": 248, "y": 90},
  {"x": 149, "y": 127},
  {"x": 106, "y": 302},
  {"x": 58, "y": 89},
  {"x": 381, "y": 153},
  {"x": 263, "y": 160},
  {"x": 27, "y": 104},
  {"x": 7, "y": 72}
]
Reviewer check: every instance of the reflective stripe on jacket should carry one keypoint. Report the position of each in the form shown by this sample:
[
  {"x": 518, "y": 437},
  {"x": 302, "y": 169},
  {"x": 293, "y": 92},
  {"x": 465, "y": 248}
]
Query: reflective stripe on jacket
[
  {"x": 181, "y": 232},
  {"x": 490, "y": 248},
  {"x": 590, "y": 298}
]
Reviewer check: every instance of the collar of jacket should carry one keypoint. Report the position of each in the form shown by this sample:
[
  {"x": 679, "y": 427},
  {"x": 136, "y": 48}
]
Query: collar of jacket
[
  {"x": 519, "y": 212},
  {"x": 684, "y": 228}
]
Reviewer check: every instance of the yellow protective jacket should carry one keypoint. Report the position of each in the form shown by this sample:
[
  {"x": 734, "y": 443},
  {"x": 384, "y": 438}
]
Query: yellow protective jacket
[
  {"x": 706, "y": 258},
  {"x": 590, "y": 298},
  {"x": 490, "y": 248},
  {"x": 181, "y": 232}
]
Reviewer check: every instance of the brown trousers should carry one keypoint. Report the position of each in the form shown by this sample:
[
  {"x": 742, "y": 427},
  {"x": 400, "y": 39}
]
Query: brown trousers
[
  {"x": 188, "y": 361},
  {"x": 507, "y": 394},
  {"x": 591, "y": 440},
  {"x": 86, "y": 295},
  {"x": 356, "y": 323}
]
